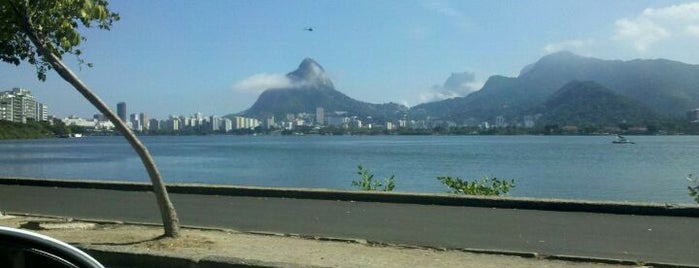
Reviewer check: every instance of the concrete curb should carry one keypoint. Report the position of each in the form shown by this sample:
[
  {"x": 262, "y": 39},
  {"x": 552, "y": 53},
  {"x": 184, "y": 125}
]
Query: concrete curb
[
  {"x": 135, "y": 258},
  {"x": 110, "y": 257},
  {"x": 635, "y": 208}
]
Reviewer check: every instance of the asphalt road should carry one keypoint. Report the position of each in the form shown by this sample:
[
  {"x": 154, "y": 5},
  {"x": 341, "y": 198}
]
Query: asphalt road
[{"x": 639, "y": 238}]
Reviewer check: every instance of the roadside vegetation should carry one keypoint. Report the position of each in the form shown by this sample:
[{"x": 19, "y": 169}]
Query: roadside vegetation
[
  {"x": 694, "y": 187},
  {"x": 368, "y": 183},
  {"x": 486, "y": 186}
]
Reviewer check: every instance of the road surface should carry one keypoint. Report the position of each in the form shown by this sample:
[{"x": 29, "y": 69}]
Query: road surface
[{"x": 638, "y": 238}]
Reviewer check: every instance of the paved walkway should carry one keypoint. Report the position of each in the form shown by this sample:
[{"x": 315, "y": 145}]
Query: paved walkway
[{"x": 639, "y": 238}]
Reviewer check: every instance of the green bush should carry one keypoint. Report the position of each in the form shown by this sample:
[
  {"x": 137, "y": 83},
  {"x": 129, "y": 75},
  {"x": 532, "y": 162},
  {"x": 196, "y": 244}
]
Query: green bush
[
  {"x": 693, "y": 189},
  {"x": 486, "y": 186},
  {"x": 367, "y": 182}
]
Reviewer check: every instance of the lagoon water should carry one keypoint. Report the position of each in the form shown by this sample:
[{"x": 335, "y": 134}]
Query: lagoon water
[{"x": 572, "y": 167}]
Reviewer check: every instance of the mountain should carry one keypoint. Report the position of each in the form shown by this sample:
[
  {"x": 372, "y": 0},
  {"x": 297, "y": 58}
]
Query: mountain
[
  {"x": 310, "y": 88},
  {"x": 668, "y": 87},
  {"x": 579, "y": 103}
]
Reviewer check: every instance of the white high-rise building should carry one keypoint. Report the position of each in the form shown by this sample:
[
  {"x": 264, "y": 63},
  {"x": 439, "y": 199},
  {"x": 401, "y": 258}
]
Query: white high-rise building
[
  {"x": 143, "y": 120},
  {"x": 320, "y": 116},
  {"x": 42, "y": 112},
  {"x": 135, "y": 124},
  {"x": 18, "y": 105},
  {"x": 172, "y": 124},
  {"x": 227, "y": 125},
  {"x": 215, "y": 123}
]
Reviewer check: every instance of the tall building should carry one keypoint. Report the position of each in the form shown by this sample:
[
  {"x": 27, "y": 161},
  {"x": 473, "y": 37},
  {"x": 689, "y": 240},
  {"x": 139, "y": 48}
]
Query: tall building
[
  {"x": 154, "y": 125},
  {"x": 215, "y": 123},
  {"x": 6, "y": 106},
  {"x": 135, "y": 124},
  {"x": 172, "y": 124},
  {"x": 18, "y": 105},
  {"x": 143, "y": 120},
  {"x": 42, "y": 112},
  {"x": 269, "y": 123},
  {"x": 121, "y": 111},
  {"x": 227, "y": 125},
  {"x": 320, "y": 116}
]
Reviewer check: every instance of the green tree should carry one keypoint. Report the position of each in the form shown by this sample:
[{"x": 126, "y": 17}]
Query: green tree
[{"x": 41, "y": 32}]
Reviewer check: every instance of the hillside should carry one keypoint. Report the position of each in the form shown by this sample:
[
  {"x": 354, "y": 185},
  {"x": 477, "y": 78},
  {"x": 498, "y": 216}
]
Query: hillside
[
  {"x": 580, "y": 103},
  {"x": 31, "y": 130},
  {"x": 311, "y": 88},
  {"x": 668, "y": 87}
]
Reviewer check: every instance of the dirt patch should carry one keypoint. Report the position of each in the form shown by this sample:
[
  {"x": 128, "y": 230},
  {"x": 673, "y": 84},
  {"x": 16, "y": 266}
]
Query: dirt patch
[{"x": 196, "y": 244}]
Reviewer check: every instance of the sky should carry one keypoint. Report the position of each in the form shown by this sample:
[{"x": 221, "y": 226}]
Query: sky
[{"x": 215, "y": 57}]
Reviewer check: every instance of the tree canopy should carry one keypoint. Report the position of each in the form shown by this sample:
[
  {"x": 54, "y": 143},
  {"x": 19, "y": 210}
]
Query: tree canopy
[
  {"x": 41, "y": 32},
  {"x": 54, "y": 23}
]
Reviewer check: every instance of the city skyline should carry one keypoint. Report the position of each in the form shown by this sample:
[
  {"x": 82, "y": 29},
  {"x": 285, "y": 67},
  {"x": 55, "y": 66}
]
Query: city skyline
[{"x": 221, "y": 64}]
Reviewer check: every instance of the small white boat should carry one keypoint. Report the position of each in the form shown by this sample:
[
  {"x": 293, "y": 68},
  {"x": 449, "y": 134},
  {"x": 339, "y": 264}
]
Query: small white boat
[
  {"x": 622, "y": 140},
  {"x": 73, "y": 135}
]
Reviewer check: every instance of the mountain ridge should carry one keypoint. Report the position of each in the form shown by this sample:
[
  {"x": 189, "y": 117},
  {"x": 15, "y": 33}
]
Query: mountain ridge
[
  {"x": 665, "y": 89},
  {"x": 668, "y": 87}
]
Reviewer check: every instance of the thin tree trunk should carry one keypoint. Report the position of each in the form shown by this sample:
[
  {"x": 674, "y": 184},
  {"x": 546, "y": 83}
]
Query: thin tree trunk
[{"x": 168, "y": 214}]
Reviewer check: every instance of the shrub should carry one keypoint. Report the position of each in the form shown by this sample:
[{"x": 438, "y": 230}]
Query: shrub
[
  {"x": 486, "y": 186},
  {"x": 694, "y": 188},
  {"x": 367, "y": 182}
]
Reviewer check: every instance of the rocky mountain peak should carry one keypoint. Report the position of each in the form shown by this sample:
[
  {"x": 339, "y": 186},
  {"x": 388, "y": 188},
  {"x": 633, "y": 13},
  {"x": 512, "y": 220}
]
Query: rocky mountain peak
[
  {"x": 311, "y": 73},
  {"x": 554, "y": 60}
]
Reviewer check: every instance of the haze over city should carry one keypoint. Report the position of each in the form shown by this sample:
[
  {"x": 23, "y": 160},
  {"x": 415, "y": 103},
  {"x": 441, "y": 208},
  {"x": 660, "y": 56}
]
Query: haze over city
[{"x": 216, "y": 57}]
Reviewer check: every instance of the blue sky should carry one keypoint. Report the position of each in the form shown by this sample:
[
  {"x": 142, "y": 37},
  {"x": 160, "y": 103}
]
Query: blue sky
[{"x": 215, "y": 57}]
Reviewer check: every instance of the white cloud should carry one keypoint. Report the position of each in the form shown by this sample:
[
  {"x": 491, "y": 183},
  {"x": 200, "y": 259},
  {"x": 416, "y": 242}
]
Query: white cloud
[
  {"x": 572, "y": 45},
  {"x": 261, "y": 82},
  {"x": 457, "y": 85},
  {"x": 445, "y": 9},
  {"x": 431, "y": 96},
  {"x": 642, "y": 32},
  {"x": 655, "y": 25},
  {"x": 689, "y": 11},
  {"x": 692, "y": 30}
]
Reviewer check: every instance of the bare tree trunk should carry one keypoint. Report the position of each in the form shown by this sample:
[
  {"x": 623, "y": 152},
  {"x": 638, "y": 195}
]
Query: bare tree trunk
[{"x": 168, "y": 214}]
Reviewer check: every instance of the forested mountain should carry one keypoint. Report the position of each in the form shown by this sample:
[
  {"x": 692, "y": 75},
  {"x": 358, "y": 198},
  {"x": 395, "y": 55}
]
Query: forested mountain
[
  {"x": 589, "y": 103},
  {"x": 667, "y": 87}
]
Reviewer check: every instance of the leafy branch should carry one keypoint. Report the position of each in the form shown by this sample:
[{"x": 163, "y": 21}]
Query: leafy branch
[
  {"x": 367, "y": 182},
  {"x": 486, "y": 186},
  {"x": 694, "y": 188}
]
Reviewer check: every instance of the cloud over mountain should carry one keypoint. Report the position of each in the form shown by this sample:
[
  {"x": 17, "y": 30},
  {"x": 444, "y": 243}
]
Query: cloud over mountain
[
  {"x": 305, "y": 89},
  {"x": 262, "y": 81},
  {"x": 457, "y": 85}
]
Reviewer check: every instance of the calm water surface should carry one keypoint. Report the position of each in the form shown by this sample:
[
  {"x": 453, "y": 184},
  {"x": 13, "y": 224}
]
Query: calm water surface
[{"x": 585, "y": 167}]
